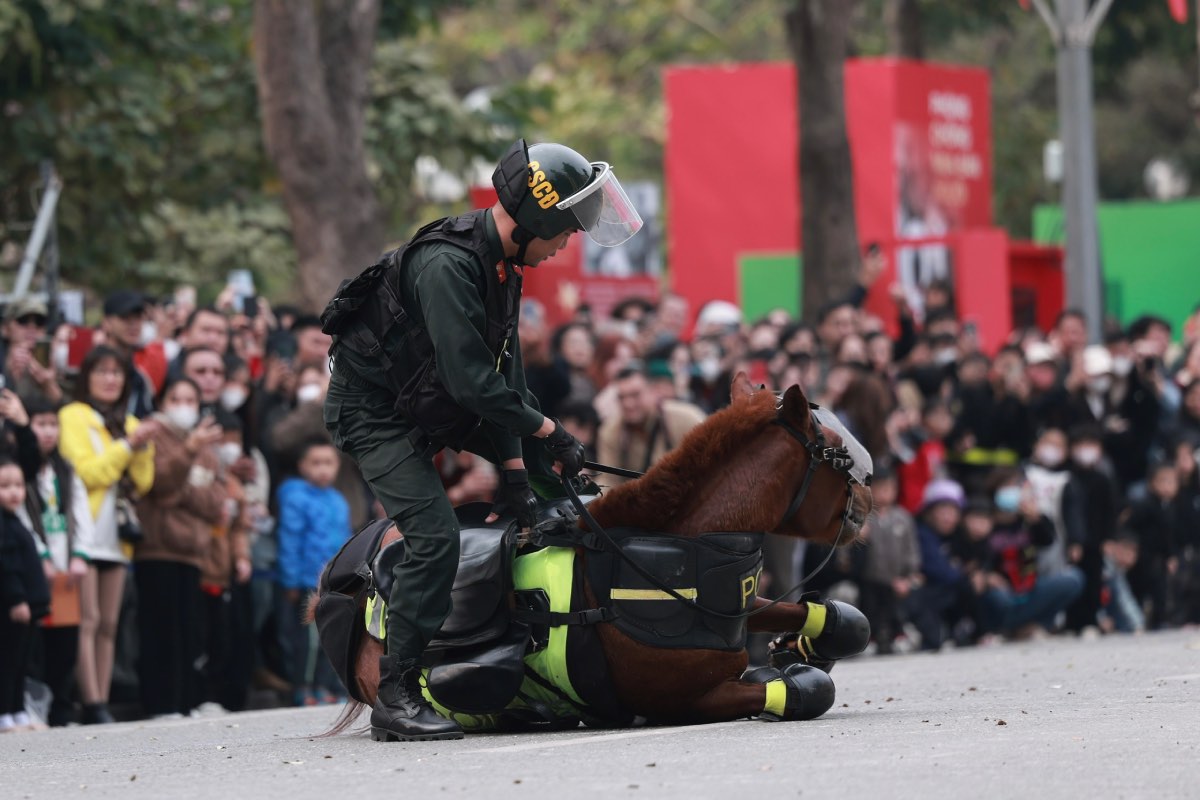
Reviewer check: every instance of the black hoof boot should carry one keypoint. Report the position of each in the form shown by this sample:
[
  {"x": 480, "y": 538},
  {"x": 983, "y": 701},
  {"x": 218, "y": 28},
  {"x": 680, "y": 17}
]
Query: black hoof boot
[
  {"x": 814, "y": 692},
  {"x": 797, "y": 692},
  {"x": 401, "y": 712},
  {"x": 844, "y": 633}
]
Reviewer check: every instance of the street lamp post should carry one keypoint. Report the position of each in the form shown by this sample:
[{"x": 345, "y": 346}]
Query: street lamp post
[{"x": 1073, "y": 27}]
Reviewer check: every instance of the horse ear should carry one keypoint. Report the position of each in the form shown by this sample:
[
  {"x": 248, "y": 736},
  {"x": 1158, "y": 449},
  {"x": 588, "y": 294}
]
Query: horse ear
[
  {"x": 794, "y": 407},
  {"x": 741, "y": 388}
]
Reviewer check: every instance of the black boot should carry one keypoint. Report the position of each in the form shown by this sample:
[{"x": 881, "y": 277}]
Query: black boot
[
  {"x": 401, "y": 712},
  {"x": 97, "y": 714}
]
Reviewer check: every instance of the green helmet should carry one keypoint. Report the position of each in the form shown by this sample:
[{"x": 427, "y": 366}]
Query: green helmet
[{"x": 548, "y": 189}]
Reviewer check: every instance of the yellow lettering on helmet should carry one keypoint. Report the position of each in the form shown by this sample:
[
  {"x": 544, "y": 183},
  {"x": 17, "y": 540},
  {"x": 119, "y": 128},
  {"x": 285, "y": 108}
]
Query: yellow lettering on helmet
[
  {"x": 549, "y": 200},
  {"x": 536, "y": 178},
  {"x": 534, "y": 166}
]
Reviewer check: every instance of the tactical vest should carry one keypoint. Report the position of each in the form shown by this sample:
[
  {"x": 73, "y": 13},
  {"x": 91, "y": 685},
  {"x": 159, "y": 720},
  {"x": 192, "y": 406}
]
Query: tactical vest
[{"x": 367, "y": 317}]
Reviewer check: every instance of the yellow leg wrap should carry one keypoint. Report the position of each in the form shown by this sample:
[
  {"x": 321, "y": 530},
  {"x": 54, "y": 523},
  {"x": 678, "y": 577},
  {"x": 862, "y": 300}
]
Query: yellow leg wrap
[
  {"x": 776, "y": 697},
  {"x": 816, "y": 620}
]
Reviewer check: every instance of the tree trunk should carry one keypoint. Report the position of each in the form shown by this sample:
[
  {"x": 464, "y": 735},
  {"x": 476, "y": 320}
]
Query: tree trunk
[
  {"x": 313, "y": 59},
  {"x": 819, "y": 34},
  {"x": 904, "y": 29}
]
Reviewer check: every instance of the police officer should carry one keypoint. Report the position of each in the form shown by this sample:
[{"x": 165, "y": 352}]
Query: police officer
[{"x": 425, "y": 356}]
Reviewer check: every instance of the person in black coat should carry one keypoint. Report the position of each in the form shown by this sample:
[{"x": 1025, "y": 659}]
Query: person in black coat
[
  {"x": 1156, "y": 519},
  {"x": 1090, "y": 505},
  {"x": 24, "y": 596}
]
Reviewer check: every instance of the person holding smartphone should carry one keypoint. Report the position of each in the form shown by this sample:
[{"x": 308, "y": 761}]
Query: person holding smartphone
[{"x": 24, "y": 330}]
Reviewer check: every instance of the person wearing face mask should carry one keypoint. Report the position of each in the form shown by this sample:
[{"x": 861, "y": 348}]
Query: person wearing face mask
[
  {"x": 124, "y": 317},
  {"x": 1018, "y": 600},
  {"x": 1127, "y": 409},
  {"x": 1091, "y": 507},
  {"x": 305, "y": 423},
  {"x": 225, "y": 604},
  {"x": 178, "y": 515},
  {"x": 1047, "y": 474}
]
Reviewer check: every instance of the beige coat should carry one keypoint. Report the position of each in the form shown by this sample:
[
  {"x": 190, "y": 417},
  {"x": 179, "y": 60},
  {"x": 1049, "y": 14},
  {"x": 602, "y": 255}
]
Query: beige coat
[{"x": 617, "y": 445}]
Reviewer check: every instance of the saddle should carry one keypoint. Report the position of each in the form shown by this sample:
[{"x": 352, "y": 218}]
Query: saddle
[{"x": 476, "y": 661}]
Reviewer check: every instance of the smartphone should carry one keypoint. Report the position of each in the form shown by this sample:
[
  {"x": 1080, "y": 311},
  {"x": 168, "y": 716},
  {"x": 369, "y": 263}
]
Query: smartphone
[
  {"x": 41, "y": 352},
  {"x": 250, "y": 306},
  {"x": 282, "y": 345},
  {"x": 241, "y": 281}
]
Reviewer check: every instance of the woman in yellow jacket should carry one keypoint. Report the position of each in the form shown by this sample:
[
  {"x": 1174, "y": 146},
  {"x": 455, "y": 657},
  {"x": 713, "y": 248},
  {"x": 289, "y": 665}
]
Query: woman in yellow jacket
[{"x": 105, "y": 445}]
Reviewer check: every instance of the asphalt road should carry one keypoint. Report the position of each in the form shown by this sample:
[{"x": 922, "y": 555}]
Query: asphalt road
[{"x": 1113, "y": 718}]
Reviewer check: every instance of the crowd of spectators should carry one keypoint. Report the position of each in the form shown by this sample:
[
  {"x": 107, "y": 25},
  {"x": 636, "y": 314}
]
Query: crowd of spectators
[{"x": 1049, "y": 486}]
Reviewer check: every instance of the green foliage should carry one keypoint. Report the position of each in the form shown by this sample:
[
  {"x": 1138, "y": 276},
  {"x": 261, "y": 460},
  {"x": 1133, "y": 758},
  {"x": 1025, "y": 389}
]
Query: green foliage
[
  {"x": 597, "y": 67},
  {"x": 149, "y": 112}
]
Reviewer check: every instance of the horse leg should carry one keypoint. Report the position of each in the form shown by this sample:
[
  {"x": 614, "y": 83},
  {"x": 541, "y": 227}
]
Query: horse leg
[
  {"x": 778, "y": 618},
  {"x": 817, "y": 633},
  {"x": 796, "y": 693}
]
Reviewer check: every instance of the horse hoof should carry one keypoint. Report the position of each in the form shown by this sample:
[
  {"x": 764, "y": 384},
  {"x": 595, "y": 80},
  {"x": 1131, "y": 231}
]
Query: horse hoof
[
  {"x": 846, "y": 632},
  {"x": 810, "y": 691}
]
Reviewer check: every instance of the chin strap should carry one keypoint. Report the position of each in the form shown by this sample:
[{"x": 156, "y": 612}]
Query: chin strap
[{"x": 522, "y": 237}]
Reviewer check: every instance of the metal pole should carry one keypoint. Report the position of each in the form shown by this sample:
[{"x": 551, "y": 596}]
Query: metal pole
[
  {"x": 51, "y": 260},
  {"x": 38, "y": 238},
  {"x": 1085, "y": 289}
]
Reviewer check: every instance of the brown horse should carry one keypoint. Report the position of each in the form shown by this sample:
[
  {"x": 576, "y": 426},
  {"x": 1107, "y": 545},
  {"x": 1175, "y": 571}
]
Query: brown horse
[{"x": 738, "y": 471}]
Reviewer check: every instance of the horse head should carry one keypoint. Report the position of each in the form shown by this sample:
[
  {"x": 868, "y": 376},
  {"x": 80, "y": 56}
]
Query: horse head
[
  {"x": 832, "y": 495},
  {"x": 743, "y": 469}
]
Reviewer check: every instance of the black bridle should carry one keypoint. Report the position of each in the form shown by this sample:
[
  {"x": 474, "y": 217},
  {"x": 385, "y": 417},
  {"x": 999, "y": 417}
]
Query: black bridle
[{"x": 819, "y": 453}]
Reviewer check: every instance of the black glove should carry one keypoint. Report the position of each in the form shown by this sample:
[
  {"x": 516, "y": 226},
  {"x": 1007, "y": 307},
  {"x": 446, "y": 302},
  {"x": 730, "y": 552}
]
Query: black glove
[
  {"x": 513, "y": 496},
  {"x": 566, "y": 449}
]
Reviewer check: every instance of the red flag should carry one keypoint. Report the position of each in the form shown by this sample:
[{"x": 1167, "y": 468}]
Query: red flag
[{"x": 1179, "y": 10}]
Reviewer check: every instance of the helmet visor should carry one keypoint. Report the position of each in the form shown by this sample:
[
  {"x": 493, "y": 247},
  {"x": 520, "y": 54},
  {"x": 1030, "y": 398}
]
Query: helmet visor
[{"x": 603, "y": 209}]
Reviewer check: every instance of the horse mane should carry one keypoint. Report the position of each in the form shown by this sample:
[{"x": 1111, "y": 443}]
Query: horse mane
[{"x": 658, "y": 498}]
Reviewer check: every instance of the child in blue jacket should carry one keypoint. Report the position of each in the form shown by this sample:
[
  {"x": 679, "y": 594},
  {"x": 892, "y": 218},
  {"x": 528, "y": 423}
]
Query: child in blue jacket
[{"x": 314, "y": 522}]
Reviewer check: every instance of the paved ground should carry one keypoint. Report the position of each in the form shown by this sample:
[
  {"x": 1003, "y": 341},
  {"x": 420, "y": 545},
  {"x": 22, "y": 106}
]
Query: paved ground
[{"x": 1115, "y": 718}]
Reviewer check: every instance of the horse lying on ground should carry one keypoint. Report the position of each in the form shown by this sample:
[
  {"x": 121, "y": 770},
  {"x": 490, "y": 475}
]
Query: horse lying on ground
[{"x": 607, "y": 641}]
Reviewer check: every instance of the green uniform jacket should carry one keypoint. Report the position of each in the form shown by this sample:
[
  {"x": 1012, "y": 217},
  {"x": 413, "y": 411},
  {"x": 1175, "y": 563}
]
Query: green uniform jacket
[{"x": 442, "y": 287}]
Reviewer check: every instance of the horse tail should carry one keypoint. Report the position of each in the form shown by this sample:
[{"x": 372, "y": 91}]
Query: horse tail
[{"x": 350, "y": 713}]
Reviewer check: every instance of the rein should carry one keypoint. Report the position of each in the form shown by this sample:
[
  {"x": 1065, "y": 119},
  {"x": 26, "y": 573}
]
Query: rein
[{"x": 819, "y": 453}]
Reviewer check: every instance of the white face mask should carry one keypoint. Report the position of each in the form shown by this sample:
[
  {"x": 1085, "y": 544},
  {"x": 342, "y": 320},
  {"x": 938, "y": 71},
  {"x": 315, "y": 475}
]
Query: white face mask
[
  {"x": 944, "y": 356},
  {"x": 1050, "y": 455},
  {"x": 709, "y": 368},
  {"x": 233, "y": 398},
  {"x": 1087, "y": 456},
  {"x": 149, "y": 333},
  {"x": 1122, "y": 365},
  {"x": 183, "y": 417},
  {"x": 309, "y": 393},
  {"x": 229, "y": 452},
  {"x": 1100, "y": 384}
]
